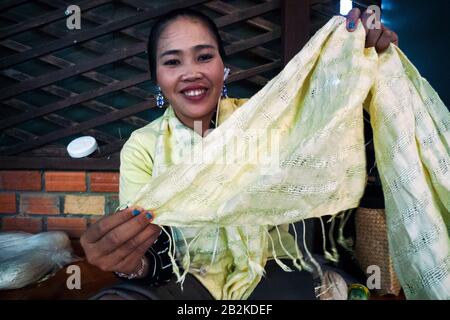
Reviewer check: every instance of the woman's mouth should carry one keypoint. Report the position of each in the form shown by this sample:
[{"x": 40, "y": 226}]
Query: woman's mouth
[{"x": 195, "y": 94}]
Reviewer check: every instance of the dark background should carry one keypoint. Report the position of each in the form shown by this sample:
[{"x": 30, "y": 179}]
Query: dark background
[{"x": 424, "y": 31}]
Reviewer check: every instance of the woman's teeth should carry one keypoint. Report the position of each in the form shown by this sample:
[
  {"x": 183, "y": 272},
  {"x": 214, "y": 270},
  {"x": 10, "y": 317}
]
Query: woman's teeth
[{"x": 194, "y": 93}]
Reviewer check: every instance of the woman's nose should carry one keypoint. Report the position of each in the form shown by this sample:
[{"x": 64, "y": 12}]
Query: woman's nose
[{"x": 190, "y": 75}]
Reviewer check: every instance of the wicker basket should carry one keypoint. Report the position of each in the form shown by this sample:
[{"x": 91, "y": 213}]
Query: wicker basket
[{"x": 371, "y": 248}]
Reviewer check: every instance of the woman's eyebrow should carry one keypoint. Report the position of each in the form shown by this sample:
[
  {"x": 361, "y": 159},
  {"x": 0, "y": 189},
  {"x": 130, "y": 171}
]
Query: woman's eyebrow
[
  {"x": 203, "y": 46},
  {"x": 195, "y": 48},
  {"x": 169, "y": 52}
]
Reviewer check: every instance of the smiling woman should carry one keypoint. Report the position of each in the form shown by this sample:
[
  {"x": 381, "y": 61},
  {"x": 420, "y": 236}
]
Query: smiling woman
[
  {"x": 186, "y": 60},
  {"x": 186, "y": 57}
]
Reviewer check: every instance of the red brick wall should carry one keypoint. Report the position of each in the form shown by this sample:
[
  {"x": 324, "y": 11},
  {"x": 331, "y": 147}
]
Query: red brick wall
[{"x": 35, "y": 201}]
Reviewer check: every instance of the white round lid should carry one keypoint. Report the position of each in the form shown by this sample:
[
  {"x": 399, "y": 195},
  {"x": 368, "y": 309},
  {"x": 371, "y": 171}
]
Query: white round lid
[{"x": 82, "y": 147}]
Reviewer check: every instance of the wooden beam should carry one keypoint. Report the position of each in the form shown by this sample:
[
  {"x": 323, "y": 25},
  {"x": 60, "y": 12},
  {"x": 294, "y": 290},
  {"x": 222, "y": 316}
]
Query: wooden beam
[
  {"x": 20, "y": 134},
  {"x": 245, "y": 14},
  {"x": 7, "y": 4},
  {"x": 46, "y": 79},
  {"x": 50, "y": 150},
  {"x": 113, "y": 163},
  {"x": 93, "y": 45},
  {"x": 61, "y": 121},
  {"x": 58, "y": 134},
  {"x": 240, "y": 75},
  {"x": 139, "y": 62},
  {"x": 256, "y": 79},
  {"x": 226, "y": 8},
  {"x": 252, "y": 42},
  {"x": 117, "y": 25},
  {"x": 324, "y": 10},
  {"x": 82, "y": 97},
  {"x": 82, "y": 36},
  {"x": 93, "y": 75},
  {"x": 259, "y": 50},
  {"x": 47, "y": 18},
  {"x": 220, "y": 7},
  {"x": 98, "y": 20},
  {"x": 295, "y": 17},
  {"x": 109, "y": 149}
]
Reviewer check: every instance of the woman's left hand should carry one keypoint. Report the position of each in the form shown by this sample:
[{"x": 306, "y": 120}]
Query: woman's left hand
[{"x": 379, "y": 38}]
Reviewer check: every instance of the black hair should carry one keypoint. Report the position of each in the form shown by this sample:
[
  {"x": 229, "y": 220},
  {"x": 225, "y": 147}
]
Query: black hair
[{"x": 162, "y": 22}]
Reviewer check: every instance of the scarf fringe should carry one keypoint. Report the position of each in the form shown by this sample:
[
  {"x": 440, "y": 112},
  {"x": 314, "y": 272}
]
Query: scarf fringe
[
  {"x": 303, "y": 263},
  {"x": 256, "y": 269},
  {"x": 171, "y": 254},
  {"x": 329, "y": 256},
  {"x": 274, "y": 254},
  {"x": 311, "y": 258},
  {"x": 185, "y": 261},
  {"x": 346, "y": 243}
]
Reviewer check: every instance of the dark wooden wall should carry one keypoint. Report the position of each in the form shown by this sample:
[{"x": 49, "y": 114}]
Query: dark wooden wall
[{"x": 57, "y": 84}]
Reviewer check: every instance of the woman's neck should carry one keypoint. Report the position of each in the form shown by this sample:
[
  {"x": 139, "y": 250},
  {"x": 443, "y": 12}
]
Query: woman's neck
[{"x": 199, "y": 125}]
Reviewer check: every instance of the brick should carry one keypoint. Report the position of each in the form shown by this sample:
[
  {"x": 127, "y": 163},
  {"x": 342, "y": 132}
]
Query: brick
[
  {"x": 74, "y": 227},
  {"x": 39, "y": 204},
  {"x": 112, "y": 202},
  {"x": 104, "y": 181},
  {"x": 30, "y": 225},
  {"x": 94, "y": 220},
  {"x": 8, "y": 203},
  {"x": 20, "y": 180},
  {"x": 84, "y": 204},
  {"x": 65, "y": 181}
]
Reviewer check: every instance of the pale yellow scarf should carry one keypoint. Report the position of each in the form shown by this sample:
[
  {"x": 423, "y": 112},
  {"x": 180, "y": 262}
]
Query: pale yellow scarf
[{"x": 295, "y": 150}]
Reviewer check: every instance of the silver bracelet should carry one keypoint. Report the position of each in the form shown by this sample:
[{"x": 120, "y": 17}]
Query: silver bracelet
[{"x": 136, "y": 274}]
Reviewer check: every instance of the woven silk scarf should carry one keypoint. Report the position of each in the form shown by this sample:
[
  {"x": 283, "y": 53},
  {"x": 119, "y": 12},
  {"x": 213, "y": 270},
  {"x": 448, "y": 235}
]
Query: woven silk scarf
[{"x": 295, "y": 150}]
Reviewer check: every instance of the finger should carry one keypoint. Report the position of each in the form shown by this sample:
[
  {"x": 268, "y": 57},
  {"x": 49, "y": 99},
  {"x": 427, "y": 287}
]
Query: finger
[
  {"x": 372, "y": 37},
  {"x": 110, "y": 262},
  {"x": 364, "y": 18},
  {"x": 384, "y": 41},
  {"x": 394, "y": 39},
  {"x": 104, "y": 225},
  {"x": 352, "y": 19},
  {"x": 128, "y": 263},
  {"x": 148, "y": 242},
  {"x": 123, "y": 232}
]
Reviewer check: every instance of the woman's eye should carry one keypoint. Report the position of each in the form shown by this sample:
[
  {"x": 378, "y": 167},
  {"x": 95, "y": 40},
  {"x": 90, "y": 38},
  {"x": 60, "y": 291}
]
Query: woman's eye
[
  {"x": 205, "y": 57},
  {"x": 172, "y": 62}
]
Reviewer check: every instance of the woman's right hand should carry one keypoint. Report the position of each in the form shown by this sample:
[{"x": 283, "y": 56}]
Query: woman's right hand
[{"x": 118, "y": 242}]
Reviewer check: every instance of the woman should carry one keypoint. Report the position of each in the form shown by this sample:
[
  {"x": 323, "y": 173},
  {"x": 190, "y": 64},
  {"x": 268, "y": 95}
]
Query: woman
[{"x": 186, "y": 60}]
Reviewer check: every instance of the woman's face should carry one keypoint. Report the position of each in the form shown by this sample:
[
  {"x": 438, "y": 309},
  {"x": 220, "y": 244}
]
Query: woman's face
[{"x": 189, "y": 68}]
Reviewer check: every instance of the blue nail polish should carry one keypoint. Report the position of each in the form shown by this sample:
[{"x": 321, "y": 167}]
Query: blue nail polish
[
  {"x": 135, "y": 212},
  {"x": 351, "y": 25},
  {"x": 149, "y": 215}
]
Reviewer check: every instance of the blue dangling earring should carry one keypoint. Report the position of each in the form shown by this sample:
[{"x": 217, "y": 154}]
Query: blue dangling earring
[
  {"x": 159, "y": 98},
  {"x": 224, "y": 92},
  {"x": 226, "y": 72}
]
